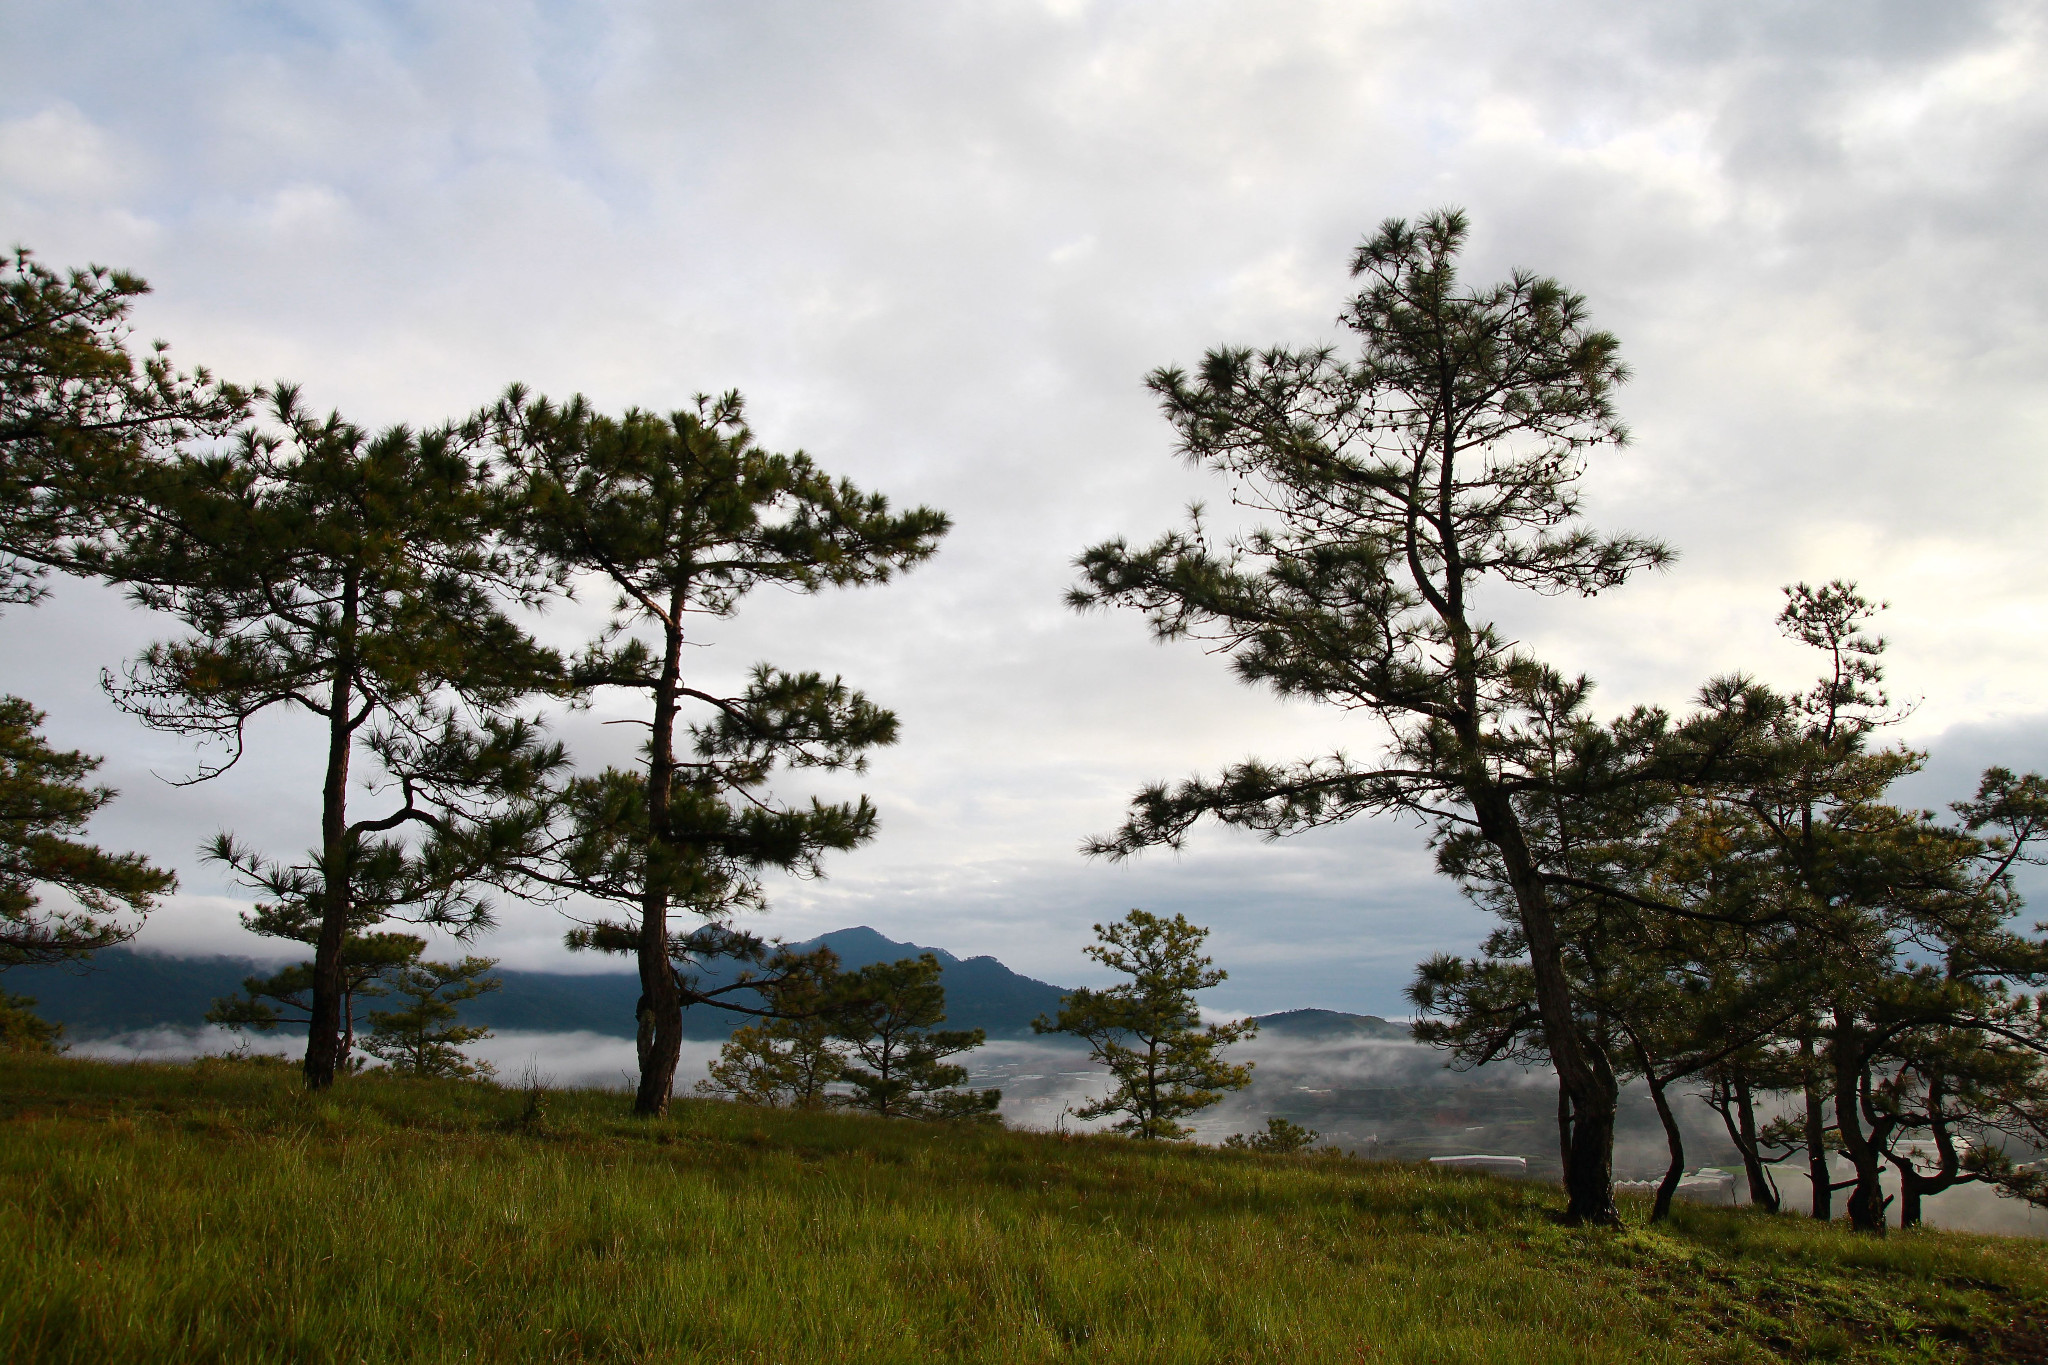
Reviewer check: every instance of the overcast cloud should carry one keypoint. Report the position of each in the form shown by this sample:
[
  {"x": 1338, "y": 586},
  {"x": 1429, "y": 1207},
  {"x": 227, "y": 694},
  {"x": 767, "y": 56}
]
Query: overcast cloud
[{"x": 939, "y": 245}]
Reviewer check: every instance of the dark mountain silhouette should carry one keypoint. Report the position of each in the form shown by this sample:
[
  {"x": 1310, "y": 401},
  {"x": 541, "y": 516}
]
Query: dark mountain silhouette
[
  {"x": 122, "y": 990},
  {"x": 1325, "y": 1025}
]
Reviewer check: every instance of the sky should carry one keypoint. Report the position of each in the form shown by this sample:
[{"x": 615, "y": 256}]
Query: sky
[{"x": 939, "y": 247}]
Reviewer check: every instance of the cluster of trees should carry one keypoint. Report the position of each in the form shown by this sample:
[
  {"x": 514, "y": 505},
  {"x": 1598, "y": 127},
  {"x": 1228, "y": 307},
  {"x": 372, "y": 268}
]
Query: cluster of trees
[
  {"x": 382, "y": 582},
  {"x": 1746, "y": 908},
  {"x": 873, "y": 1033},
  {"x": 1728, "y": 894}
]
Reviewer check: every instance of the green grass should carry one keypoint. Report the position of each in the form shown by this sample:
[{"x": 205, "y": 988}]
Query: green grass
[{"x": 214, "y": 1212}]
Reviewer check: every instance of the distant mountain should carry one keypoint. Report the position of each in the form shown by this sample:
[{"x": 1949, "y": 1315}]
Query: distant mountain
[
  {"x": 980, "y": 991},
  {"x": 122, "y": 990},
  {"x": 1330, "y": 1025}
]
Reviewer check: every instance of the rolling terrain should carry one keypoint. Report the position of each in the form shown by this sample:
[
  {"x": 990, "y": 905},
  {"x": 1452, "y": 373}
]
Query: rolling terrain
[{"x": 214, "y": 1211}]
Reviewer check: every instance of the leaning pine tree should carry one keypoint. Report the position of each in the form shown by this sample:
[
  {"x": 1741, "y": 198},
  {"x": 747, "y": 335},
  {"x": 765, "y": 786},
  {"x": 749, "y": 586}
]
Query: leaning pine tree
[
  {"x": 1393, "y": 487},
  {"x": 682, "y": 516}
]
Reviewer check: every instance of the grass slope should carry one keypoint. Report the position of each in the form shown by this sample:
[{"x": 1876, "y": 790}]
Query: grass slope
[{"x": 214, "y": 1212}]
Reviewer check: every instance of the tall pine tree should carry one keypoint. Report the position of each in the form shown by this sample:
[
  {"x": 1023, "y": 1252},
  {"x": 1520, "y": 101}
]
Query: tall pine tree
[
  {"x": 352, "y": 576},
  {"x": 1396, "y": 488},
  {"x": 80, "y": 417},
  {"x": 683, "y": 516}
]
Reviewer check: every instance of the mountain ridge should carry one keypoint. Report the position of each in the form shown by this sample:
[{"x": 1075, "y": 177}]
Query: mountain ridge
[{"x": 126, "y": 990}]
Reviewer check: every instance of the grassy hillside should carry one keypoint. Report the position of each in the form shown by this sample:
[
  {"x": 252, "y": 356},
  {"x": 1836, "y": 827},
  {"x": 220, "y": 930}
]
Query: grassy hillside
[{"x": 213, "y": 1212}]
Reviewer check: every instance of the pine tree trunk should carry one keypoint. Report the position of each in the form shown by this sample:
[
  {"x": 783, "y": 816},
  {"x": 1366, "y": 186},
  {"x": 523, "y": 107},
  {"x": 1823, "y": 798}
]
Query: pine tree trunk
[
  {"x": 1564, "y": 1126},
  {"x": 1818, "y": 1169},
  {"x": 1582, "y": 1066},
  {"x": 1763, "y": 1191},
  {"x": 1667, "y": 1188},
  {"x": 1866, "y": 1201},
  {"x": 663, "y": 1017},
  {"x": 1911, "y": 1187},
  {"x": 323, "y": 1033},
  {"x": 348, "y": 1022}
]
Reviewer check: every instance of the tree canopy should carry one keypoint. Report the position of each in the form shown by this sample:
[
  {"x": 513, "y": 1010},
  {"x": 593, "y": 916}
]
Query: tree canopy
[
  {"x": 78, "y": 413},
  {"x": 44, "y": 801}
]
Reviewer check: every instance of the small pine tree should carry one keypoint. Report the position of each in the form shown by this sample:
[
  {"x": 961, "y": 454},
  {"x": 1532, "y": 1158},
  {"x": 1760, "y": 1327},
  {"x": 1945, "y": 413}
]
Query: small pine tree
[
  {"x": 22, "y": 1029},
  {"x": 754, "y": 1067},
  {"x": 287, "y": 998},
  {"x": 1281, "y": 1137},
  {"x": 888, "y": 1020},
  {"x": 1148, "y": 1031},
  {"x": 790, "y": 1059},
  {"x": 423, "y": 1039}
]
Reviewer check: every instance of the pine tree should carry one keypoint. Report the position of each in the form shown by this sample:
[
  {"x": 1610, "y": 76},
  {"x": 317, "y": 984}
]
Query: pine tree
[
  {"x": 423, "y": 1038},
  {"x": 44, "y": 800},
  {"x": 79, "y": 417},
  {"x": 354, "y": 577},
  {"x": 1149, "y": 1031},
  {"x": 1664, "y": 989},
  {"x": 368, "y": 963},
  {"x": 79, "y": 414},
  {"x": 1402, "y": 486},
  {"x": 683, "y": 516},
  {"x": 888, "y": 1016},
  {"x": 1282, "y": 1137},
  {"x": 753, "y": 1066},
  {"x": 1907, "y": 920},
  {"x": 1737, "y": 896},
  {"x": 791, "y": 1058},
  {"x": 22, "y": 1029}
]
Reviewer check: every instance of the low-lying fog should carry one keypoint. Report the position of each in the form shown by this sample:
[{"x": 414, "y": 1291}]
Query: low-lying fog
[{"x": 1373, "y": 1097}]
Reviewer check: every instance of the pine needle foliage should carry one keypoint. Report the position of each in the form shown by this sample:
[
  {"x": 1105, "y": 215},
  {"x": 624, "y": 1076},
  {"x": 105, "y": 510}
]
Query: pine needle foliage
[
  {"x": 285, "y": 997},
  {"x": 45, "y": 800},
  {"x": 80, "y": 416},
  {"x": 80, "y": 413},
  {"x": 422, "y": 1037},
  {"x": 23, "y": 1030},
  {"x": 1148, "y": 1031},
  {"x": 1282, "y": 1137},
  {"x": 888, "y": 1016},
  {"x": 789, "y": 1059}
]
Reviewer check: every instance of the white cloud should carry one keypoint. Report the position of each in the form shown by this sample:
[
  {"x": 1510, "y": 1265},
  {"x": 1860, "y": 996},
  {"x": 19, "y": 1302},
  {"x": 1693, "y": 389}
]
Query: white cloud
[
  {"x": 60, "y": 153},
  {"x": 940, "y": 250}
]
